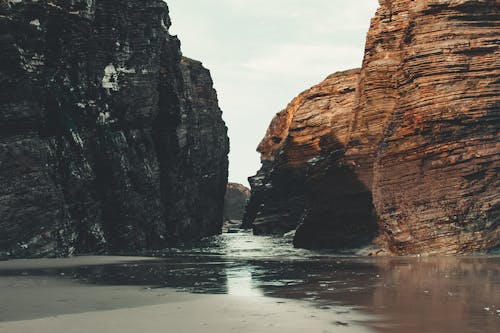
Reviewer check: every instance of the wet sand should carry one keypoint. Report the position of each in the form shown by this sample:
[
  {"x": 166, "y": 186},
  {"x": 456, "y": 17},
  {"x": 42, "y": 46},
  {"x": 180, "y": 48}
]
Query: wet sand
[
  {"x": 48, "y": 263},
  {"x": 238, "y": 282},
  {"x": 47, "y": 304}
]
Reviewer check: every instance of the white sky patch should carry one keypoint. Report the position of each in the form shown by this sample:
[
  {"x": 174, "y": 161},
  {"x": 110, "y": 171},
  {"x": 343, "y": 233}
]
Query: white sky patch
[
  {"x": 277, "y": 8},
  {"x": 296, "y": 60},
  {"x": 262, "y": 53}
]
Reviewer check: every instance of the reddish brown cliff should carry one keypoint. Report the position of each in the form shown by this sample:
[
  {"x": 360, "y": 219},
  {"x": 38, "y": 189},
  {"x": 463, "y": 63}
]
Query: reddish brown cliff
[
  {"x": 436, "y": 180},
  {"x": 420, "y": 154},
  {"x": 340, "y": 210},
  {"x": 312, "y": 126}
]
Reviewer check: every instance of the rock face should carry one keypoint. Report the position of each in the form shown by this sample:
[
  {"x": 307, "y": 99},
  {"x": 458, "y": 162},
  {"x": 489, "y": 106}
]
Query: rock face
[
  {"x": 235, "y": 201},
  {"x": 109, "y": 139},
  {"x": 418, "y": 170},
  {"x": 436, "y": 178},
  {"x": 311, "y": 128}
]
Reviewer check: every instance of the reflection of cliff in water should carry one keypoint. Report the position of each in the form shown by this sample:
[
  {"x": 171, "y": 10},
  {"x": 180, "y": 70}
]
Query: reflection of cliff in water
[
  {"x": 450, "y": 294},
  {"x": 442, "y": 294}
]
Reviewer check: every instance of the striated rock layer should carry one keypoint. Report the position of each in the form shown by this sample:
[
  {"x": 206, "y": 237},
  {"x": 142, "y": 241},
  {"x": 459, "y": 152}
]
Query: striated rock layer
[
  {"x": 109, "y": 139},
  {"x": 313, "y": 126},
  {"x": 418, "y": 170},
  {"x": 436, "y": 178}
]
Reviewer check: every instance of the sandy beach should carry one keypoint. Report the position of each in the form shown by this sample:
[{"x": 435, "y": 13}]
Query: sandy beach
[
  {"x": 45, "y": 304},
  {"x": 200, "y": 292}
]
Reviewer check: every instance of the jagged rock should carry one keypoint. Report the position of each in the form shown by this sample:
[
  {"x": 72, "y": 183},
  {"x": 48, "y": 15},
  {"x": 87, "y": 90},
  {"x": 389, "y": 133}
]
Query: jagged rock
[
  {"x": 109, "y": 139},
  {"x": 235, "y": 201},
  {"x": 314, "y": 125},
  {"x": 421, "y": 160},
  {"x": 341, "y": 213}
]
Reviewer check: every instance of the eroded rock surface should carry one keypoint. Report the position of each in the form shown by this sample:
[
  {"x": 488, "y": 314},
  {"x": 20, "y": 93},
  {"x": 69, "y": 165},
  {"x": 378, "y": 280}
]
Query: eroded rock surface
[
  {"x": 109, "y": 139},
  {"x": 235, "y": 201},
  {"x": 418, "y": 170},
  {"x": 314, "y": 125},
  {"x": 436, "y": 178}
]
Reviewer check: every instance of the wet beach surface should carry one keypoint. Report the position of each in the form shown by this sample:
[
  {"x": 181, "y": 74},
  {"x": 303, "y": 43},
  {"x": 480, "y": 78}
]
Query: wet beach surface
[{"x": 409, "y": 294}]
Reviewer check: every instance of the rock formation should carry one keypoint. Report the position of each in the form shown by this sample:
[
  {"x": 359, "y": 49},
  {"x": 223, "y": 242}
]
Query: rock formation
[
  {"x": 311, "y": 128},
  {"x": 235, "y": 201},
  {"x": 109, "y": 139},
  {"x": 436, "y": 178},
  {"x": 417, "y": 170}
]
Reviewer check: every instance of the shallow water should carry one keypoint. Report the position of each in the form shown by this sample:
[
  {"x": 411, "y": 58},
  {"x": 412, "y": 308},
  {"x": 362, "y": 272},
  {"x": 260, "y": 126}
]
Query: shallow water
[{"x": 432, "y": 294}]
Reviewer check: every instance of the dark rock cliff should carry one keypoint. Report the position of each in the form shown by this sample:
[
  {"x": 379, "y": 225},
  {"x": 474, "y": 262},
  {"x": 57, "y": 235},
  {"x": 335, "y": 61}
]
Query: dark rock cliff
[
  {"x": 418, "y": 170},
  {"x": 109, "y": 139},
  {"x": 235, "y": 201}
]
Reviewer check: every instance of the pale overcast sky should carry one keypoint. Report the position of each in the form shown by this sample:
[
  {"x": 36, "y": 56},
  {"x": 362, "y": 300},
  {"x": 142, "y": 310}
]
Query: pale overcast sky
[{"x": 262, "y": 53}]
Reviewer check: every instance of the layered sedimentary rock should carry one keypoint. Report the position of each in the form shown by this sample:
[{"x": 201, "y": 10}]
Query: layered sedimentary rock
[
  {"x": 314, "y": 125},
  {"x": 420, "y": 165},
  {"x": 109, "y": 139},
  {"x": 436, "y": 178},
  {"x": 341, "y": 213},
  {"x": 235, "y": 201}
]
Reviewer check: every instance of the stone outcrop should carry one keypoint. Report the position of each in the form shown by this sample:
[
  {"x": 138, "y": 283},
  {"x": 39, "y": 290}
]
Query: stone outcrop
[
  {"x": 109, "y": 139},
  {"x": 436, "y": 178},
  {"x": 312, "y": 127},
  {"x": 235, "y": 201},
  {"x": 418, "y": 171}
]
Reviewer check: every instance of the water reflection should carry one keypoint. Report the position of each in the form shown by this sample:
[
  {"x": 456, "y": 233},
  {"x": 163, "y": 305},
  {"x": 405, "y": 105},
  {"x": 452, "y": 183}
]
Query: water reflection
[
  {"x": 240, "y": 282},
  {"x": 447, "y": 294},
  {"x": 406, "y": 294}
]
